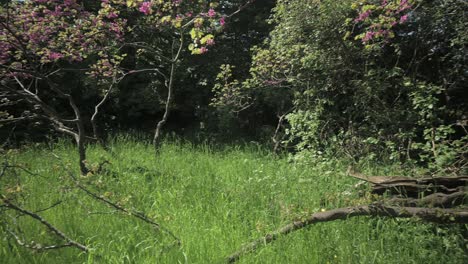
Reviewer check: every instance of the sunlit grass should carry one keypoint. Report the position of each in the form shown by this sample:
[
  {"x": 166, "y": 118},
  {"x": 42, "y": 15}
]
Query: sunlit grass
[{"x": 214, "y": 200}]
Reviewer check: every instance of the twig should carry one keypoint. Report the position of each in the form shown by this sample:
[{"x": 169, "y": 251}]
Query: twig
[
  {"x": 47, "y": 208},
  {"x": 242, "y": 7},
  {"x": 35, "y": 246}
]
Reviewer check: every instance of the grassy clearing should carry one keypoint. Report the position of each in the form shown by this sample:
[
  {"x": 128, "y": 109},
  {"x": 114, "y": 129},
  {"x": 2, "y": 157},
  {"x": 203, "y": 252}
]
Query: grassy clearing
[{"x": 214, "y": 200}]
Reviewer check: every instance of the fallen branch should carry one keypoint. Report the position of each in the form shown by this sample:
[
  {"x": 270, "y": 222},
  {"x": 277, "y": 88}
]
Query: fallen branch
[
  {"x": 70, "y": 242},
  {"x": 433, "y": 200},
  {"x": 35, "y": 246},
  {"x": 133, "y": 213},
  {"x": 449, "y": 182},
  {"x": 435, "y": 215},
  {"x": 411, "y": 186}
]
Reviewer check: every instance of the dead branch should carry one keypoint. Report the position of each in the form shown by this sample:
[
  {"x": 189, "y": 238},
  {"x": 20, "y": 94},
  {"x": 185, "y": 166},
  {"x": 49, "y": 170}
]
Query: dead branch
[
  {"x": 133, "y": 213},
  {"x": 433, "y": 200},
  {"x": 435, "y": 215},
  {"x": 49, "y": 207},
  {"x": 411, "y": 186},
  {"x": 33, "y": 245},
  {"x": 70, "y": 242}
]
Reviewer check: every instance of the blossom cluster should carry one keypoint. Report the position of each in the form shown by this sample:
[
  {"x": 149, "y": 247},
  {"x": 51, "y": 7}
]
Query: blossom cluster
[
  {"x": 38, "y": 33},
  {"x": 379, "y": 20},
  {"x": 200, "y": 18}
]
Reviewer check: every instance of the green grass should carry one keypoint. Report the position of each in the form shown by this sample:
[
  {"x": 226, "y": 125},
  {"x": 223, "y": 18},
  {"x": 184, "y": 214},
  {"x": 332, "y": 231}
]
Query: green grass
[{"x": 214, "y": 199}]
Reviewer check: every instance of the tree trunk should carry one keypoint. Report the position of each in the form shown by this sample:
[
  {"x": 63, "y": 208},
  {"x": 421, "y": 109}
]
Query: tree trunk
[
  {"x": 157, "y": 132},
  {"x": 80, "y": 142},
  {"x": 170, "y": 88}
]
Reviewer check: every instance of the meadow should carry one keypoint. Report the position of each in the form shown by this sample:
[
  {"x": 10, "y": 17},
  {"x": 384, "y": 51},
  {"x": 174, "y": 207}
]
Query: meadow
[{"x": 214, "y": 198}]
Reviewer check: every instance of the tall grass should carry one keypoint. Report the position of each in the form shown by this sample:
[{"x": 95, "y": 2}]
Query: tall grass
[{"x": 214, "y": 200}]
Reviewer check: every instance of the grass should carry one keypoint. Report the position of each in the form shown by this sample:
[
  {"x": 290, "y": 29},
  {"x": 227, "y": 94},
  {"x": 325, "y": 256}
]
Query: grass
[{"x": 214, "y": 199}]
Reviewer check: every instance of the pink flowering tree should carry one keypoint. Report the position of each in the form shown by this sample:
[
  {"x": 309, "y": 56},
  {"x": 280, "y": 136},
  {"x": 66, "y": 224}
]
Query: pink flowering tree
[{"x": 40, "y": 40}]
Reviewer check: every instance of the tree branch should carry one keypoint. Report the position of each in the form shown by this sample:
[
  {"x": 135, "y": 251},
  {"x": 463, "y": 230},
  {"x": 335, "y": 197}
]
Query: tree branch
[
  {"x": 70, "y": 242},
  {"x": 133, "y": 213},
  {"x": 435, "y": 215}
]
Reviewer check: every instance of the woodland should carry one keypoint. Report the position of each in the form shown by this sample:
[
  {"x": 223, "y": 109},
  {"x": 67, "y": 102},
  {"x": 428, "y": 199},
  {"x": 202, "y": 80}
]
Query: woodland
[{"x": 250, "y": 131}]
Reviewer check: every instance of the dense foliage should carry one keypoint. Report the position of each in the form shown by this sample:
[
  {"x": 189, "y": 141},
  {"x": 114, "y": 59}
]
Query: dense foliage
[{"x": 376, "y": 79}]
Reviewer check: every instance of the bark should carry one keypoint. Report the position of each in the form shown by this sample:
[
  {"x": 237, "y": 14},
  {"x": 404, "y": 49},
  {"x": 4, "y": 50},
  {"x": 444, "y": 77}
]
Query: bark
[
  {"x": 435, "y": 215},
  {"x": 433, "y": 200},
  {"x": 412, "y": 187}
]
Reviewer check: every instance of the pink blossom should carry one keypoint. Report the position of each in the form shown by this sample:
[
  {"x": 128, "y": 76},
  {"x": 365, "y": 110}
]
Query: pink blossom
[
  {"x": 403, "y": 19},
  {"x": 369, "y": 35},
  {"x": 222, "y": 21},
  {"x": 363, "y": 16},
  {"x": 210, "y": 42},
  {"x": 69, "y": 2},
  {"x": 112, "y": 15},
  {"x": 188, "y": 14},
  {"x": 211, "y": 12},
  {"x": 55, "y": 56},
  {"x": 203, "y": 50},
  {"x": 145, "y": 8}
]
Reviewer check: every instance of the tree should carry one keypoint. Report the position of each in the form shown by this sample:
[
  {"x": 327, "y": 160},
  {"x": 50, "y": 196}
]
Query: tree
[{"x": 42, "y": 42}]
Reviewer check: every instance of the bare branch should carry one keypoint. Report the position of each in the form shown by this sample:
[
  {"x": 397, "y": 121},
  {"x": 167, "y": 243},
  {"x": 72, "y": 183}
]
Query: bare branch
[
  {"x": 242, "y": 7},
  {"x": 70, "y": 242},
  {"x": 49, "y": 207},
  {"x": 136, "y": 214},
  {"x": 436, "y": 215},
  {"x": 35, "y": 246}
]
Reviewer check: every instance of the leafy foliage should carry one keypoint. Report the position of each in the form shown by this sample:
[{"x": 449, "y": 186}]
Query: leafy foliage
[{"x": 371, "y": 78}]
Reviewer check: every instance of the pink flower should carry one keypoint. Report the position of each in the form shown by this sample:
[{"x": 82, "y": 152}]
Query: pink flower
[
  {"x": 203, "y": 50},
  {"x": 145, "y": 8},
  {"x": 210, "y": 42},
  {"x": 369, "y": 35},
  {"x": 112, "y": 15},
  {"x": 55, "y": 56},
  {"x": 188, "y": 14},
  {"x": 222, "y": 21},
  {"x": 363, "y": 16},
  {"x": 211, "y": 12},
  {"x": 403, "y": 19}
]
